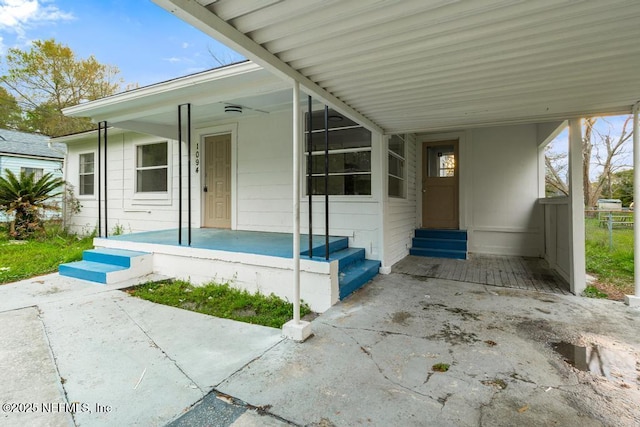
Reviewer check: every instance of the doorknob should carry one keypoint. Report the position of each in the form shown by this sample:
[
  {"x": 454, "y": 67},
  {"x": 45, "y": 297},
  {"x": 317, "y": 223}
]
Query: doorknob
[{"x": 205, "y": 189}]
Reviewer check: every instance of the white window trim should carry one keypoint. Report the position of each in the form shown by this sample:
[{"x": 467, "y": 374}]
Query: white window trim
[
  {"x": 95, "y": 175},
  {"x": 156, "y": 197},
  {"x": 404, "y": 160}
]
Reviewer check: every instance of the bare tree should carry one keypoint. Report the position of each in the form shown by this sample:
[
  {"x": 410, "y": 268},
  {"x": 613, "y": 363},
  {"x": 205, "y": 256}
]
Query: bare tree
[{"x": 601, "y": 149}]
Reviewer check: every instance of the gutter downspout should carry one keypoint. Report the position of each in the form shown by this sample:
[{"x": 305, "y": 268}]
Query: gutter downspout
[
  {"x": 634, "y": 300},
  {"x": 296, "y": 329}
]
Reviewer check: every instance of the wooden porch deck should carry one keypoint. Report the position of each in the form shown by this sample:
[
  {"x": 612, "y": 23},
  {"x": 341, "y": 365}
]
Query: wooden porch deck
[{"x": 505, "y": 271}]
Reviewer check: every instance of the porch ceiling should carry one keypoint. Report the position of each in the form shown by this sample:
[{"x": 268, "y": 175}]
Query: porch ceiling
[{"x": 417, "y": 65}]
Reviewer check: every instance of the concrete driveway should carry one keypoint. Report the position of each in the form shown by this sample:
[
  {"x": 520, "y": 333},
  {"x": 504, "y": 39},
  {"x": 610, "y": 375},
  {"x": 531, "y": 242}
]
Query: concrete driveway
[
  {"x": 124, "y": 361},
  {"x": 77, "y": 353}
]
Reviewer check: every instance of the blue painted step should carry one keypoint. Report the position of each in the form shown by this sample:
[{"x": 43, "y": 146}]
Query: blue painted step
[
  {"x": 119, "y": 257},
  {"x": 438, "y": 253},
  {"x": 319, "y": 250},
  {"x": 439, "y": 243},
  {"x": 355, "y": 275},
  {"x": 449, "y": 244},
  {"x": 427, "y": 233},
  {"x": 353, "y": 269},
  {"x": 105, "y": 265},
  {"x": 88, "y": 270}
]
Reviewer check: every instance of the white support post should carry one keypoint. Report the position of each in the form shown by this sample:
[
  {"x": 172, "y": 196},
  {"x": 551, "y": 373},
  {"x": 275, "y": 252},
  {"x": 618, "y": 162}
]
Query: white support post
[
  {"x": 634, "y": 300},
  {"x": 577, "y": 274},
  {"x": 296, "y": 329}
]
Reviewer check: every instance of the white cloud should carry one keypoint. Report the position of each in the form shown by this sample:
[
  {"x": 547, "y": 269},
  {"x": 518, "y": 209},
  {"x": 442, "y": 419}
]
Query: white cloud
[
  {"x": 185, "y": 45},
  {"x": 173, "y": 59},
  {"x": 18, "y": 15}
]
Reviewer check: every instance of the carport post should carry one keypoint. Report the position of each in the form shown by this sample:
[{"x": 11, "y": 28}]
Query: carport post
[
  {"x": 634, "y": 300},
  {"x": 296, "y": 329},
  {"x": 577, "y": 274}
]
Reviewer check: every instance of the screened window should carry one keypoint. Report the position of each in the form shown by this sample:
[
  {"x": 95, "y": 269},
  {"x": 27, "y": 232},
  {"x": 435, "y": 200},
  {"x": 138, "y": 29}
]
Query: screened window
[
  {"x": 36, "y": 172},
  {"x": 151, "y": 167},
  {"x": 87, "y": 174},
  {"x": 349, "y": 160},
  {"x": 397, "y": 167}
]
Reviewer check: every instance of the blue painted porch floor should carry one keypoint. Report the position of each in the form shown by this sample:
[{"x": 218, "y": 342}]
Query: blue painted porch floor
[{"x": 250, "y": 242}]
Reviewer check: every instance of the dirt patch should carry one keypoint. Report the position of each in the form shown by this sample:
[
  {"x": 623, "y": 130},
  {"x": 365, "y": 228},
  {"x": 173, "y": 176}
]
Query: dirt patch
[{"x": 401, "y": 317}]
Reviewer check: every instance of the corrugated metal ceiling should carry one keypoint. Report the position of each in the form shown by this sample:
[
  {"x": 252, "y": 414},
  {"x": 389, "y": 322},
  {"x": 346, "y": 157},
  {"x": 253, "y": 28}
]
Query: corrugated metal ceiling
[{"x": 416, "y": 65}]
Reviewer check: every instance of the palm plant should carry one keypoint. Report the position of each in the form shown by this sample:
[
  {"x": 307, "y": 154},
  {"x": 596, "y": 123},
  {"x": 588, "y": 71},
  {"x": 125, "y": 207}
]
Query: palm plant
[{"x": 25, "y": 198}]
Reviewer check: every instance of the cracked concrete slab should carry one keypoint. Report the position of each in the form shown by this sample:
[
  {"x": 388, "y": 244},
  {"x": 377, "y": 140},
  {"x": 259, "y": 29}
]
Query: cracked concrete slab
[
  {"x": 99, "y": 357},
  {"x": 29, "y": 376},
  {"x": 371, "y": 360}
]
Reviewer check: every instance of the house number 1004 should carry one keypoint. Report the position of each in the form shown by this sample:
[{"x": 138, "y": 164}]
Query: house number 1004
[{"x": 197, "y": 157}]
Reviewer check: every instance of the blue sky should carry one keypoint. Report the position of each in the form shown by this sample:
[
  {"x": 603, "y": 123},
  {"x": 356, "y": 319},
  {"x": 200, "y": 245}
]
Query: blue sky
[{"x": 147, "y": 43}]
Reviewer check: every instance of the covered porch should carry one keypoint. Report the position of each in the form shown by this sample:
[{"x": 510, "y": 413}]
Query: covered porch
[{"x": 252, "y": 260}]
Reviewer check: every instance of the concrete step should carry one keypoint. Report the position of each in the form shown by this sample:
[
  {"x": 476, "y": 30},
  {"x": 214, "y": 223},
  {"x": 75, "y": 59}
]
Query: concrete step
[
  {"x": 355, "y": 275},
  {"x": 430, "y": 243},
  {"x": 121, "y": 257},
  {"x": 335, "y": 245},
  {"x": 427, "y": 233},
  {"x": 438, "y": 253},
  {"x": 106, "y": 266}
]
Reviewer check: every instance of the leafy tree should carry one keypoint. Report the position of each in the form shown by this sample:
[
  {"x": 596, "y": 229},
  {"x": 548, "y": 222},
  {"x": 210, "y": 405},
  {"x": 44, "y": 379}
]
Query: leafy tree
[
  {"x": 10, "y": 116},
  {"x": 48, "y": 78},
  {"x": 25, "y": 198},
  {"x": 622, "y": 186}
]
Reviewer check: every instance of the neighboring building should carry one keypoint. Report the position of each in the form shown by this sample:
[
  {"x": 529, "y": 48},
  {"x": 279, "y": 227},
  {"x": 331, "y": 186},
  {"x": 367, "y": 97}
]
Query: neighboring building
[{"x": 31, "y": 153}]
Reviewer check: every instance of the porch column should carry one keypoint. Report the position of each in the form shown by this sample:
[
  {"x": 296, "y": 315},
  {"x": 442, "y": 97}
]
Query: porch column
[
  {"x": 577, "y": 275},
  {"x": 634, "y": 300},
  {"x": 296, "y": 329}
]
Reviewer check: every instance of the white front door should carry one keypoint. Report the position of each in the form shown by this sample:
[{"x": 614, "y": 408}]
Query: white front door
[{"x": 217, "y": 182}]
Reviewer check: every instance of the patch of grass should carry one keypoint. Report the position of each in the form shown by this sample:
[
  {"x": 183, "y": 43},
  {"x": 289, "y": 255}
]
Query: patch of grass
[
  {"x": 612, "y": 266},
  {"x": 440, "y": 367},
  {"x": 593, "y": 292},
  {"x": 220, "y": 301},
  {"x": 41, "y": 255}
]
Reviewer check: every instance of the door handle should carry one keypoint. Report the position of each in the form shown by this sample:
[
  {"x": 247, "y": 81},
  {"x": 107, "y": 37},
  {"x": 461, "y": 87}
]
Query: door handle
[{"x": 205, "y": 189}]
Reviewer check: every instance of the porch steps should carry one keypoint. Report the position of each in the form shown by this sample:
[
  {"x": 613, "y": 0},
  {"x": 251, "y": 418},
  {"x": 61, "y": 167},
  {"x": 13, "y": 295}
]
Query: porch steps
[
  {"x": 106, "y": 266},
  {"x": 440, "y": 243},
  {"x": 354, "y": 270}
]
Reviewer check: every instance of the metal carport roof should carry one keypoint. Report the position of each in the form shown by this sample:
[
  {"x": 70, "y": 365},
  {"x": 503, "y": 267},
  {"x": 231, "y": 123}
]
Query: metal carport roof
[{"x": 420, "y": 65}]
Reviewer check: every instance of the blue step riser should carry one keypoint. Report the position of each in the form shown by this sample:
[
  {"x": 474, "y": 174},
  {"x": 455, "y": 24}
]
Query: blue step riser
[
  {"x": 345, "y": 261},
  {"x": 456, "y": 245},
  {"x": 435, "y": 253},
  {"x": 92, "y": 276},
  {"x": 358, "y": 277},
  {"x": 441, "y": 234},
  {"x": 319, "y": 248},
  {"x": 122, "y": 261}
]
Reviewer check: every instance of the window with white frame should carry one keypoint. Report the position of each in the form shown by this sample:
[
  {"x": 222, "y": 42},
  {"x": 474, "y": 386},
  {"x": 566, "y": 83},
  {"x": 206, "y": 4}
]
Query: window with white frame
[
  {"x": 36, "y": 172},
  {"x": 397, "y": 174},
  {"x": 86, "y": 181},
  {"x": 152, "y": 168},
  {"x": 349, "y": 159}
]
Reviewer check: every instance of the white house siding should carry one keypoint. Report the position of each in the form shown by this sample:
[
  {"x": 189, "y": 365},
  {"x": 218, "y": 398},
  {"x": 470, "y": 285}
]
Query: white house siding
[
  {"x": 264, "y": 165},
  {"x": 125, "y": 212},
  {"x": 400, "y": 214},
  {"x": 15, "y": 163},
  {"x": 502, "y": 191},
  {"x": 262, "y": 183}
]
